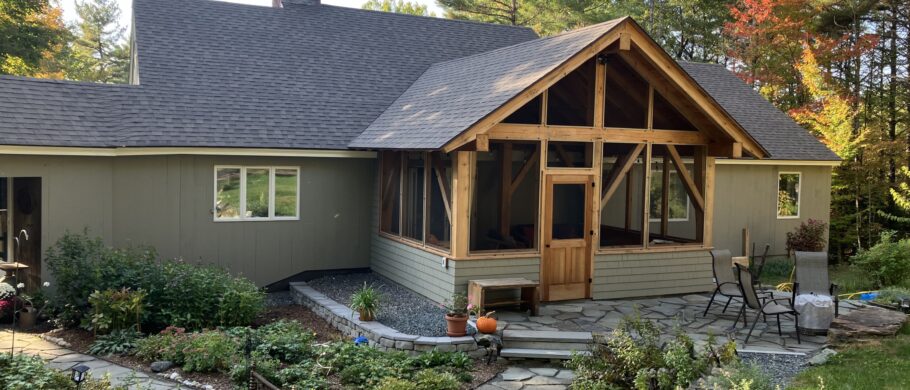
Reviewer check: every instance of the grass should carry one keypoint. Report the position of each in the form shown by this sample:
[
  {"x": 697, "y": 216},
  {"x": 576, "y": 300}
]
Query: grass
[
  {"x": 849, "y": 279},
  {"x": 258, "y": 192},
  {"x": 882, "y": 365}
]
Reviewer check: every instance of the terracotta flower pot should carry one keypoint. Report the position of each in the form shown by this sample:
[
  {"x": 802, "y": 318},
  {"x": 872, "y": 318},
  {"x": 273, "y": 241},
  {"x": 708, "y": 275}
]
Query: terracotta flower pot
[
  {"x": 366, "y": 316},
  {"x": 456, "y": 325}
]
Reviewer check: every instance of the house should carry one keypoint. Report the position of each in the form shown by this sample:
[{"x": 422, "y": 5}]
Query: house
[{"x": 282, "y": 142}]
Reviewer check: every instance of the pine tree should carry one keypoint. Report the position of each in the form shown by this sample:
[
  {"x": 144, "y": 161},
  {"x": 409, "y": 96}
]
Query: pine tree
[
  {"x": 399, "y": 7},
  {"x": 100, "y": 52}
]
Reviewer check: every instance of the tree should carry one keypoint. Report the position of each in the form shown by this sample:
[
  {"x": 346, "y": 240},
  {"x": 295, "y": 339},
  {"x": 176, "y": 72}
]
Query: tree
[
  {"x": 399, "y": 7},
  {"x": 31, "y": 32},
  {"x": 100, "y": 52},
  {"x": 544, "y": 16}
]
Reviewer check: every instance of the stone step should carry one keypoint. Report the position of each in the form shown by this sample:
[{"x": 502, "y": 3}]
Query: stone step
[
  {"x": 529, "y": 353},
  {"x": 526, "y": 344},
  {"x": 547, "y": 336}
]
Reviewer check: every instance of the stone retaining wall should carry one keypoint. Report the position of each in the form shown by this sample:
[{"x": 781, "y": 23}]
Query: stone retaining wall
[{"x": 379, "y": 335}]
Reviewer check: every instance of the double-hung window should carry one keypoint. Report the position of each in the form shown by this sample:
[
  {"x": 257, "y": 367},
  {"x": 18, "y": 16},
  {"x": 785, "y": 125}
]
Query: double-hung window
[{"x": 255, "y": 193}]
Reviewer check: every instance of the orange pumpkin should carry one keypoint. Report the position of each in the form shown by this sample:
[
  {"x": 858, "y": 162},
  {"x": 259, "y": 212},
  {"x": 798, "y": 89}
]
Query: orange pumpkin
[{"x": 486, "y": 324}]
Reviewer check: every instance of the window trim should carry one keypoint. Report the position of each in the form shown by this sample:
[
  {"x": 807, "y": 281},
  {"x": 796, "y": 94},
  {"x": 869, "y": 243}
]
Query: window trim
[
  {"x": 799, "y": 188},
  {"x": 243, "y": 189}
]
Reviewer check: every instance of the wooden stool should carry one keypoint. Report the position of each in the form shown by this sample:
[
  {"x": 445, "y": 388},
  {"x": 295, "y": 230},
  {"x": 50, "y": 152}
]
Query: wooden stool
[{"x": 529, "y": 300}]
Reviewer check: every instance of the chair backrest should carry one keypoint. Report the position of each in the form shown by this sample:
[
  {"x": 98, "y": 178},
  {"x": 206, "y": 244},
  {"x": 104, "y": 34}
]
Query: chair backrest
[
  {"x": 747, "y": 286},
  {"x": 812, "y": 273},
  {"x": 759, "y": 262},
  {"x": 723, "y": 266}
]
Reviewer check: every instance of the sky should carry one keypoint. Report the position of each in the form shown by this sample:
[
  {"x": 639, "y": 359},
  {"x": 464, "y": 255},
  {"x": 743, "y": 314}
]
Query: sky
[{"x": 69, "y": 7}]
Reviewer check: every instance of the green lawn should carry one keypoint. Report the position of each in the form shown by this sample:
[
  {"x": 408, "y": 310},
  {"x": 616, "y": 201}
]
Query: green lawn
[
  {"x": 849, "y": 279},
  {"x": 882, "y": 365}
]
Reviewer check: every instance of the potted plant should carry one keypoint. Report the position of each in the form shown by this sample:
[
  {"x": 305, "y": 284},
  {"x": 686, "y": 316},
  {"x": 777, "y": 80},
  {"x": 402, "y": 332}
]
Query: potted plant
[
  {"x": 457, "y": 315},
  {"x": 365, "y": 302}
]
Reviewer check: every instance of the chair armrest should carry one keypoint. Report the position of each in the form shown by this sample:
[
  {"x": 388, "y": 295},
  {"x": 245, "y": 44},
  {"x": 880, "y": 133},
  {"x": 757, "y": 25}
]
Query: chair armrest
[{"x": 834, "y": 289}]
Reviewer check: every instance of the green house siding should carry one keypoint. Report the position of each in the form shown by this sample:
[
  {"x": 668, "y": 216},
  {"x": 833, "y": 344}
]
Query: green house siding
[
  {"x": 746, "y": 196},
  {"x": 167, "y": 201},
  {"x": 647, "y": 274}
]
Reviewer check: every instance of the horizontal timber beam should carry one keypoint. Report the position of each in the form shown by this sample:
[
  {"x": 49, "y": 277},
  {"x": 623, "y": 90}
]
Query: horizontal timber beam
[{"x": 573, "y": 133}]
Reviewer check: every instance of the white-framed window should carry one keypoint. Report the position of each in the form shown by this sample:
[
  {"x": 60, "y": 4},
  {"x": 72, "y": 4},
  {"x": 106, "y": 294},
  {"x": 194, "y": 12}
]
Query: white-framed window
[
  {"x": 256, "y": 193},
  {"x": 788, "y": 188}
]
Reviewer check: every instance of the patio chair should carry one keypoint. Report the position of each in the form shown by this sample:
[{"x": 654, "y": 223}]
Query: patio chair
[
  {"x": 771, "y": 307},
  {"x": 812, "y": 277},
  {"x": 724, "y": 279}
]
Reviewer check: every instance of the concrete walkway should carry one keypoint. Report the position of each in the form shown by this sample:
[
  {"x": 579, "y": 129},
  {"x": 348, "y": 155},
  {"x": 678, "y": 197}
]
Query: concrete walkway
[{"x": 64, "y": 359}]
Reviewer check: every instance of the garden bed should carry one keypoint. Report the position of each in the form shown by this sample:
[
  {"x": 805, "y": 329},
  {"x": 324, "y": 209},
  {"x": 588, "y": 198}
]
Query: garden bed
[{"x": 400, "y": 308}]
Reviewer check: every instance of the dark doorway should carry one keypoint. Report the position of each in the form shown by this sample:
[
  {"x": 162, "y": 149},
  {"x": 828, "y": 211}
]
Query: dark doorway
[{"x": 26, "y": 232}]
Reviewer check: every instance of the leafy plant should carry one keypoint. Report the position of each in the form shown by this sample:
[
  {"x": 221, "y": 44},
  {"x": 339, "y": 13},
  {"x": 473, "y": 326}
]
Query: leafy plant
[
  {"x": 162, "y": 346},
  {"x": 458, "y": 306},
  {"x": 209, "y": 351},
  {"x": 890, "y": 295},
  {"x": 116, "y": 310},
  {"x": 287, "y": 341},
  {"x": 739, "y": 376},
  {"x": 366, "y": 302},
  {"x": 27, "y": 372},
  {"x": 118, "y": 342},
  {"x": 809, "y": 236},
  {"x": 177, "y": 293},
  {"x": 888, "y": 262}
]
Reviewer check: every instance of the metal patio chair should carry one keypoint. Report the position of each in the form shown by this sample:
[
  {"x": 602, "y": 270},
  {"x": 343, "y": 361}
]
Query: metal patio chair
[
  {"x": 724, "y": 278},
  {"x": 771, "y": 307},
  {"x": 812, "y": 277}
]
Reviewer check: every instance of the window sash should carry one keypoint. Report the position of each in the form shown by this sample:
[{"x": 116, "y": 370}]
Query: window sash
[
  {"x": 799, "y": 183},
  {"x": 270, "y": 194}
]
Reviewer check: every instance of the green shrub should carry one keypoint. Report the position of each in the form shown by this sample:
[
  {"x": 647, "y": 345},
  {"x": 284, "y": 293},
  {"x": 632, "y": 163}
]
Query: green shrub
[
  {"x": 287, "y": 341},
  {"x": 809, "y": 236},
  {"x": 890, "y": 295},
  {"x": 739, "y": 376},
  {"x": 209, "y": 351},
  {"x": 177, "y": 293},
  {"x": 26, "y": 372},
  {"x": 391, "y": 383},
  {"x": 435, "y": 380},
  {"x": 888, "y": 262},
  {"x": 633, "y": 356},
  {"x": 162, "y": 346},
  {"x": 114, "y": 310},
  {"x": 118, "y": 342}
]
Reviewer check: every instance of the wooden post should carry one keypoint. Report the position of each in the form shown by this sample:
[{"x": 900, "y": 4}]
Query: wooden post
[
  {"x": 709, "y": 202},
  {"x": 505, "y": 193},
  {"x": 645, "y": 222},
  {"x": 665, "y": 198},
  {"x": 463, "y": 184},
  {"x": 746, "y": 242}
]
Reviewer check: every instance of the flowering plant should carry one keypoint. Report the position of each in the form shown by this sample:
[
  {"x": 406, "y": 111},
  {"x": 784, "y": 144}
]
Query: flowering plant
[
  {"x": 6, "y": 291},
  {"x": 458, "y": 307}
]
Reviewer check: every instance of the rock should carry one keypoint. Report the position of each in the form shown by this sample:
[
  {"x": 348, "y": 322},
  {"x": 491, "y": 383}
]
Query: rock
[
  {"x": 868, "y": 322},
  {"x": 162, "y": 365},
  {"x": 516, "y": 374},
  {"x": 822, "y": 357},
  {"x": 545, "y": 371},
  {"x": 174, "y": 376}
]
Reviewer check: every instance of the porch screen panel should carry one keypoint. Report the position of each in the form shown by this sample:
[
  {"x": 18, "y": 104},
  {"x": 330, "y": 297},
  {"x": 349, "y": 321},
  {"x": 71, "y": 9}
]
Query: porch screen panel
[
  {"x": 415, "y": 165},
  {"x": 528, "y": 114},
  {"x": 506, "y": 194},
  {"x": 626, "y": 96},
  {"x": 622, "y": 199},
  {"x": 668, "y": 117},
  {"x": 390, "y": 182},
  {"x": 570, "y": 102},
  {"x": 675, "y": 216},
  {"x": 439, "y": 225}
]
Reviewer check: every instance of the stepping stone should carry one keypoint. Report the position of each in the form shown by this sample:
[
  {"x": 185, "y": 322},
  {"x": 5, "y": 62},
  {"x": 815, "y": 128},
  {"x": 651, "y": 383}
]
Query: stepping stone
[
  {"x": 544, "y": 320},
  {"x": 73, "y": 358},
  {"x": 822, "y": 357},
  {"x": 546, "y": 380},
  {"x": 593, "y": 313},
  {"x": 567, "y": 316},
  {"x": 545, "y": 371},
  {"x": 507, "y": 385},
  {"x": 567, "y": 308},
  {"x": 516, "y": 374},
  {"x": 545, "y": 387},
  {"x": 865, "y": 323},
  {"x": 566, "y": 374},
  {"x": 674, "y": 300}
]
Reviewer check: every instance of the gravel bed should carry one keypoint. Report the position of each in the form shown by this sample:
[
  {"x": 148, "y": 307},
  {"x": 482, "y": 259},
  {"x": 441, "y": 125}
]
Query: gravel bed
[
  {"x": 278, "y": 299},
  {"x": 399, "y": 308},
  {"x": 780, "y": 367}
]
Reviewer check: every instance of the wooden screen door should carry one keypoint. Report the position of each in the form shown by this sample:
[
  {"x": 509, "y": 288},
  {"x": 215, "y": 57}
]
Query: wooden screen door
[{"x": 566, "y": 267}]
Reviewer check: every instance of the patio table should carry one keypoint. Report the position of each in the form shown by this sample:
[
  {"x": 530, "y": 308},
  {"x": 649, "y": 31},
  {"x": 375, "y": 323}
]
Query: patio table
[{"x": 816, "y": 313}]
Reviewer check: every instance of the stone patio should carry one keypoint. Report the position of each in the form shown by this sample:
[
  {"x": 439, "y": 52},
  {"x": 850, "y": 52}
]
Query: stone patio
[{"x": 685, "y": 312}]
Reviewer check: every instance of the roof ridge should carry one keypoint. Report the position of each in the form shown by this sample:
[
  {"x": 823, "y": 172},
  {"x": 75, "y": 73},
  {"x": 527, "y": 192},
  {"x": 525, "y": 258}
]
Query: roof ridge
[
  {"x": 434, "y": 18},
  {"x": 540, "y": 39}
]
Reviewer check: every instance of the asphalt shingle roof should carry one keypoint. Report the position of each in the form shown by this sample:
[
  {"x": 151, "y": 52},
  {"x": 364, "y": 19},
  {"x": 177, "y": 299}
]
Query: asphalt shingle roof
[
  {"x": 783, "y": 138},
  {"x": 453, "y": 95},
  {"x": 216, "y": 74}
]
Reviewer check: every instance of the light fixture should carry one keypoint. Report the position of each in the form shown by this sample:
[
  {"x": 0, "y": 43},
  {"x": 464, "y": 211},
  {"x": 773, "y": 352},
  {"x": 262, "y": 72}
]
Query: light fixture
[{"x": 79, "y": 374}]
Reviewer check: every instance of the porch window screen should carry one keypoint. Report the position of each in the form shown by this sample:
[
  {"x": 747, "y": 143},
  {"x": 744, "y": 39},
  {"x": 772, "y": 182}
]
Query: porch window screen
[
  {"x": 675, "y": 198},
  {"x": 623, "y": 197},
  {"x": 506, "y": 196},
  {"x": 416, "y": 197}
]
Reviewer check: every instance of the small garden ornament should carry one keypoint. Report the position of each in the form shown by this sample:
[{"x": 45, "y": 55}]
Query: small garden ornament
[{"x": 457, "y": 315}]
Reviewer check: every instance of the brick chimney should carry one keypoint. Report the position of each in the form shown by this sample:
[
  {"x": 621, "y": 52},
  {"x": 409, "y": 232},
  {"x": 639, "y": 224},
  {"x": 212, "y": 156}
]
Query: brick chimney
[{"x": 280, "y": 3}]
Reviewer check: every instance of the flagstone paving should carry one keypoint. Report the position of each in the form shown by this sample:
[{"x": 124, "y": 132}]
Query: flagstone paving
[
  {"x": 530, "y": 376},
  {"x": 64, "y": 359},
  {"x": 670, "y": 313}
]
